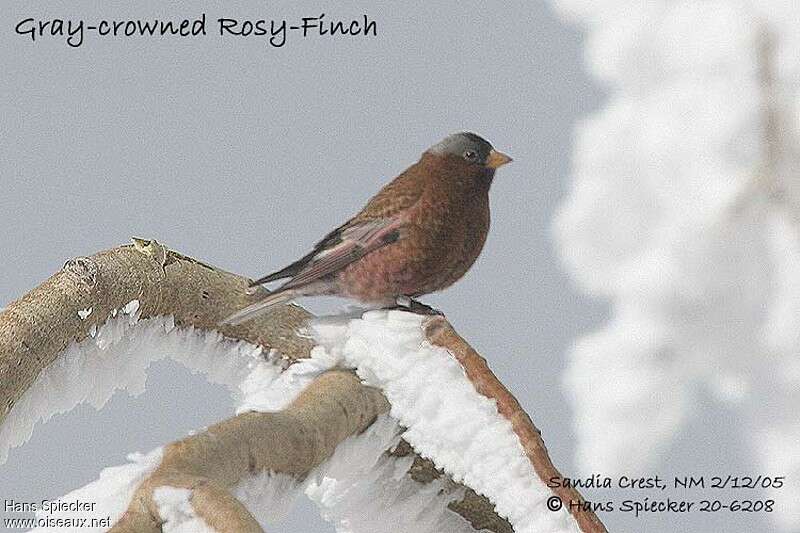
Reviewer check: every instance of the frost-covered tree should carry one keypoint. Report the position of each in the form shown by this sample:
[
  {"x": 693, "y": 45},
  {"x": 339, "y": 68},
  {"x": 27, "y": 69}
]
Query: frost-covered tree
[
  {"x": 389, "y": 421},
  {"x": 684, "y": 214}
]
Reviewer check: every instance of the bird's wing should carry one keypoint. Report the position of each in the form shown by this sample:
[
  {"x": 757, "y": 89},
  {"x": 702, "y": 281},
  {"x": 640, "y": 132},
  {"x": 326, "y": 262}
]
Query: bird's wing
[
  {"x": 391, "y": 202},
  {"x": 327, "y": 242},
  {"x": 355, "y": 241}
]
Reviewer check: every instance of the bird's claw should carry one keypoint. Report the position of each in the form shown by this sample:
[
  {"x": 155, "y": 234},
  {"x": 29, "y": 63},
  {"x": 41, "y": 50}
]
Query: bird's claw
[{"x": 404, "y": 303}]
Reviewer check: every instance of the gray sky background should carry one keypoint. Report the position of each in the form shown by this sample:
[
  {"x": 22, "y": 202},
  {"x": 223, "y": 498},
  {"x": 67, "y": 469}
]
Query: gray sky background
[{"x": 244, "y": 155}]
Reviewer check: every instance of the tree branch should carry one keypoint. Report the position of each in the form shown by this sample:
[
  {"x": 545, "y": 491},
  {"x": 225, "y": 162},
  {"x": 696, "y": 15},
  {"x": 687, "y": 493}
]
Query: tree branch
[
  {"x": 292, "y": 441},
  {"x": 38, "y": 326},
  {"x": 35, "y": 329},
  {"x": 441, "y": 333}
]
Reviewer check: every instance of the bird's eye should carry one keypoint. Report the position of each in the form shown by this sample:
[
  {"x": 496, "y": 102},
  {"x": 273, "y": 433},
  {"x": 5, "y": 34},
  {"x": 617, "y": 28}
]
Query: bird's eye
[{"x": 470, "y": 155}]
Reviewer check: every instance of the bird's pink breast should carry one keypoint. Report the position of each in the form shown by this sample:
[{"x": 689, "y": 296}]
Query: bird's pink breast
[
  {"x": 383, "y": 274},
  {"x": 440, "y": 246}
]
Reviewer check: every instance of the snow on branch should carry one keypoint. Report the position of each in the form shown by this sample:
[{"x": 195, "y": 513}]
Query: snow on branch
[
  {"x": 341, "y": 409},
  {"x": 75, "y": 301}
]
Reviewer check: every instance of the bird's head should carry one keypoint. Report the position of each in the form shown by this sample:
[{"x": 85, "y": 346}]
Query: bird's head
[{"x": 472, "y": 149}]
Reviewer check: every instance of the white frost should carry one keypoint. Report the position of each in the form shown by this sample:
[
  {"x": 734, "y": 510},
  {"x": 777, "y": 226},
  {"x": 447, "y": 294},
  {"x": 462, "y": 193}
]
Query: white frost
[
  {"x": 269, "y": 496},
  {"x": 115, "y": 358},
  {"x": 447, "y": 420},
  {"x": 175, "y": 508},
  {"x": 110, "y": 493},
  {"x": 361, "y": 489},
  {"x": 131, "y": 307},
  {"x": 287, "y": 385}
]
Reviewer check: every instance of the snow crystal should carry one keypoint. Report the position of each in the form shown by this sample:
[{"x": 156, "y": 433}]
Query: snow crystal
[
  {"x": 269, "y": 496},
  {"x": 111, "y": 492},
  {"x": 130, "y": 307},
  {"x": 287, "y": 385},
  {"x": 116, "y": 357},
  {"x": 175, "y": 509},
  {"x": 361, "y": 489},
  {"x": 446, "y": 419}
]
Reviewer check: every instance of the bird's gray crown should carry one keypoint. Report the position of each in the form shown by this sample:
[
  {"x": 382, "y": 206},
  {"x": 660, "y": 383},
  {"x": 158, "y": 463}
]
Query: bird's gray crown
[{"x": 461, "y": 143}]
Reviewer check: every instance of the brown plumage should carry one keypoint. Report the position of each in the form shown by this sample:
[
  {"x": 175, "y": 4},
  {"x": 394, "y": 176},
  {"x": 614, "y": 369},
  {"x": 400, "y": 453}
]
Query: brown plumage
[{"x": 419, "y": 234}]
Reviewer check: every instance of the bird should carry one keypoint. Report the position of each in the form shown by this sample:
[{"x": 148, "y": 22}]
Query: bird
[{"x": 419, "y": 234}]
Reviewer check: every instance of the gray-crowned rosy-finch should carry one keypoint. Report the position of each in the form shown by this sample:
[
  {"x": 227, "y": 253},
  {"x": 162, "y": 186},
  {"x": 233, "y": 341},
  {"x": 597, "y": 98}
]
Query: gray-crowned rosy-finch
[{"x": 418, "y": 235}]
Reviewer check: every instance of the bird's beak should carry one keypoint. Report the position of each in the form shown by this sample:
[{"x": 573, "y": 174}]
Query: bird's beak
[{"x": 497, "y": 159}]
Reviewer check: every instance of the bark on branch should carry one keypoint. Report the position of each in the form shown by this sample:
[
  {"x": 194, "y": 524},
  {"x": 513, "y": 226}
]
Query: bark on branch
[
  {"x": 35, "y": 329},
  {"x": 293, "y": 442}
]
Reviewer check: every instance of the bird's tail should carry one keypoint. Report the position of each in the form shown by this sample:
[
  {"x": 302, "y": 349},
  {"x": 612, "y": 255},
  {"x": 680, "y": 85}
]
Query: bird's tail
[{"x": 261, "y": 306}]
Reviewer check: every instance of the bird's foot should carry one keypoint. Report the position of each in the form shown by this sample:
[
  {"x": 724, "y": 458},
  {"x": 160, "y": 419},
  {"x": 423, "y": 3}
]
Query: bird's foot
[{"x": 404, "y": 303}]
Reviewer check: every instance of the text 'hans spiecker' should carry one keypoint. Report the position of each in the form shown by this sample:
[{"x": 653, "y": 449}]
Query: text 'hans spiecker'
[{"x": 47, "y": 506}]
